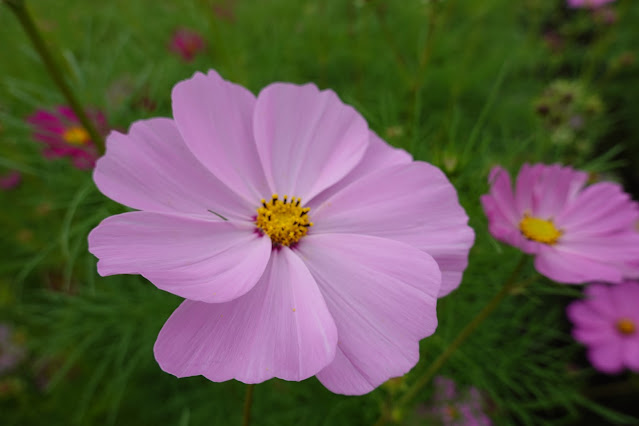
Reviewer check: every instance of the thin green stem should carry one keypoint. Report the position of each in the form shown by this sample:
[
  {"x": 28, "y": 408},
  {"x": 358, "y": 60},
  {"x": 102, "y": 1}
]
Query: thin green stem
[
  {"x": 248, "y": 401},
  {"x": 19, "y": 8},
  {"x": 508, "y": 286}
]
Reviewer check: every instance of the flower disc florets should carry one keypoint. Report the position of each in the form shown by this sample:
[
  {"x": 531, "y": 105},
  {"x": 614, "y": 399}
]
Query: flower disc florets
[
  {"x": 626, "y": 326},
  {"x": 283, "y": 220},
  {"x": 540, "y": 230}
]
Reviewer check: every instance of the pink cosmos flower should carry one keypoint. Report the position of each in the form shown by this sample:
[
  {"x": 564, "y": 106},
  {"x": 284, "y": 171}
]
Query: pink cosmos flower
[
  {"x": 10, "y": 180},
  {"x": 587, "y": 4},
  {"x": 64, "y": 135},
  {"x": 186, "y": 43},
  {"x": 607, "y": 321},
  {"x": 303, "y": 243},
  {"x": 577, "y": 233}
]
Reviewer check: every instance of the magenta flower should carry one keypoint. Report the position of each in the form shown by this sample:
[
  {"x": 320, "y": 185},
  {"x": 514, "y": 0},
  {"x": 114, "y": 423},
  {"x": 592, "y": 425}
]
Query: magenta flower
[
  {"x": 64, "y": 135},
  {"x": 301, "y": 241},
  {"x": 577, "y": 234},
  {"x": 454, "y": 407},
  {"x": 607, "y": 321},
  {"x": 10, "y": 180},
  {"x": 186, "y": 43},
  {"x": 587, "y": 4}
]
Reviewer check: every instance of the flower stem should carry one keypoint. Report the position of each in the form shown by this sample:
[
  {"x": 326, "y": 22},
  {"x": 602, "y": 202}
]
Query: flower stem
[
  {"x": 21, "y": 12},
  {"x": 248, "y": 401},
  {"x": 462, "y": 336}
]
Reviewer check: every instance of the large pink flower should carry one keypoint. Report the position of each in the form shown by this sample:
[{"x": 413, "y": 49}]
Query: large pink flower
[
  {"x": 607, "y": 321},
  {"x": 577, "y": 233},
  {"x": 334, "y": 276}
]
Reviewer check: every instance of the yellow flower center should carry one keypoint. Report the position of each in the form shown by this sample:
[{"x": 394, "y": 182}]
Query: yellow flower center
[
  {"x": 284, "y": 221},
  {"x": 76, "y": 135},
  {"x": 626, "y": 327},
  {"x": 540, "y": 230}
]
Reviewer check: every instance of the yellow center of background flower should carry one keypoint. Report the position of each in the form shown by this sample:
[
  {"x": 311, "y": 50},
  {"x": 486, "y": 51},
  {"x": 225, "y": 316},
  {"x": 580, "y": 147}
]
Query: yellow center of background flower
[
  {"x": 626, "y": 326},
  {"x": 540, "y": 230},
  {"x": 284, "y": 221},
  {"x": 76, "y": 135}
]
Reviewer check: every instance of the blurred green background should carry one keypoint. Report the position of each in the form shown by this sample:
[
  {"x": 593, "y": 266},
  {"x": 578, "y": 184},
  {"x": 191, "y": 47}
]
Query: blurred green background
[{"x": 462, "y": 84}]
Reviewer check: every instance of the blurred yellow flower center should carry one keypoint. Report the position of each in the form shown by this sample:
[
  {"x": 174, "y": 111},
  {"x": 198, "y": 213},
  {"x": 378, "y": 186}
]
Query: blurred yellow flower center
[
  {"x": 76, "y": 135},
  {"x": 285, "y": 221},
  {"x": 626, "y": 326},
  {"x": 453, "y": 412},
  {"x": 540, "y": 230}
]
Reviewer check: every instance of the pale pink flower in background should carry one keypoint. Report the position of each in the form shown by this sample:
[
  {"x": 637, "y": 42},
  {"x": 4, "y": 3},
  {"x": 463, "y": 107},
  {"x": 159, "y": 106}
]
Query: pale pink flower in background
[
  {"x": 11, "y": 180},
  {"x": 455, "y": 406},
  {"x": 607, "y": 322},
  {"x": 577, "y": 233},
  {"x": 186, "y": 43},
  {"x": 64, "y": 136},
  {"x": 12, "y": 352},
  {"x": 304, "y": 244},
  {"x": 587, "y": 4}
]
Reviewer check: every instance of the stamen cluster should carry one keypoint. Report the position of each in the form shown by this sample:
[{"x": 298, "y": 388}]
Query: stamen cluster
[
  {"x": 626, "y": 327},
  {"x": 76, "y": 135},
  {"x": 284, "y": 221},
  {"x": 540, "y": 230}
]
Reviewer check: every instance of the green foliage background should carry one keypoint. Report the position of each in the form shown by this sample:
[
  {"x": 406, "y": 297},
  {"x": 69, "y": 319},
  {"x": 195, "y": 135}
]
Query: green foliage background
[{"x": 455, "y": 82}]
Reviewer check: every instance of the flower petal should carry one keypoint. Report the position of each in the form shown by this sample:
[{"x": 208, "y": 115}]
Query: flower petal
[
  {"x": 556, "y": 186},
  {"x": 573, "y": 268},
  {"x": 281, "y": 328},
  {"x": 602, "y": 208},
  {"x": 307, "y": 139},
  {"x": 501, "y": 194},
  {"x": 413, "y": 203},
  {"x": 378, "y": 155},
  {"x": 211, "y": 261},
  {"x": 607, "y": 358},
  {"x": 631, "y": 353},
  {"x": 152, "y": 169},
  {"x": 382, "y": 295},
  {"x": 215, "y": 119},
  {"x": 542, "y": 191}
]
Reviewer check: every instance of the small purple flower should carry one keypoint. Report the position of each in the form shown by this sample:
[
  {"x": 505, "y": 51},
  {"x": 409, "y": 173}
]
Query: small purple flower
[
  {"x": 453, "y": 407},
  {"x": 607, "y": 321},
  {"x": 10, "y": 180},
  {"x": 186, "y": 43},
  {"x": 587, "y": 4},
  {"x": 11, "y": 352},
  {"x": 64, "y": 136}
]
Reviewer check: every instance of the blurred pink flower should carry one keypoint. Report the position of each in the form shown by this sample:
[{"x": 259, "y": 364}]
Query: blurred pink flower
[
  {"x": 272, "y": 281},
  {"x": 587, "y": 4},
  {"x": 607, "y": 321},
  {"x": 11, "y": 351},
  {"x": 453, "y": 407},
  {"x": 64, "y": 135},
  {"x": 577, "y": 234},
  {"x": 186, "y": 43},
  {"x": 10, "y": 180}
]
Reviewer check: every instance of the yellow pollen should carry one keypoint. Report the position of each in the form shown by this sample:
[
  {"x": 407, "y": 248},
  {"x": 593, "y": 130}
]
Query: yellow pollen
[
  {"x": 540, "y": 230},
  {"x": 626, "y": 326},
  {"x": 76, "y": 135},
  {"x": 284, "y": 221}
]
